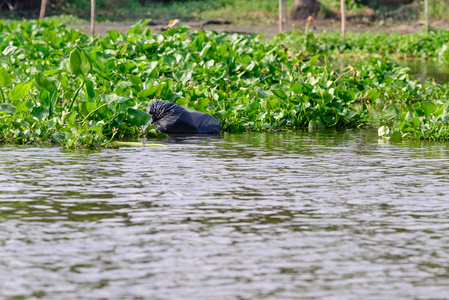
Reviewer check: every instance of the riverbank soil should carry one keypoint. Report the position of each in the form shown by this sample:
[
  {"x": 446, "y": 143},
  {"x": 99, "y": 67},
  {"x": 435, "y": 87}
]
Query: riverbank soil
[{"x": 324, "y": 25}]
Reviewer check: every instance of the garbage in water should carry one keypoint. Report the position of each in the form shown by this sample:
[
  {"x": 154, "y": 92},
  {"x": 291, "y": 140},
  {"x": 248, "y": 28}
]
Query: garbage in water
[{"x": 169, "y": 117}]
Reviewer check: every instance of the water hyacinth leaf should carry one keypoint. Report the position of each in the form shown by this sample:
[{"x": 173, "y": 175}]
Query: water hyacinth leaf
[
  {"x": 9, "y": 50},
  {"x": 203, "y": 102},
  {"x": 313, "y": 59},
  {"x": 113, "y": 34},
  {"x": 5, "y": 78},
  {"x": 43, "y": 82},
  {"x": 113, "y": 98},
  {"x": 330, "y": 119},
  {"x": 296, "y": 87},
  {"x": 441, "y": 110},
  {"x": 89, "y": 88},
  {"x": 182, "y": 76},
  {"x": 205, "y": 49},
  {"x": 137, "y": 117},
  {"x": 79, "y": 62},
  {"x": 414, "y": 122},
  {"x": 151, "y": 69},
  {"x": 8, "y": 108},
  {"x": 87, "y": 107},
  {"x": 44, "y": 97},
  {"x": 262, "y": 94},
  {"x": 373, "y": 94},
  {"x": 38, "y": 112},
  {"x": 325, "y": 96},
  {"x": 280, "y": 94},
  {"x": 21, "y": 90},
  {"x": 136, "y": 80},
  {"x": 168, "y": 59},
  {"x": 428, "y": 107}
]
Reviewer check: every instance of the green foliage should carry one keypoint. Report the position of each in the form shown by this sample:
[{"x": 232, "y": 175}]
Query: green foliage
[
  {"x": 424, "y": 120},
  {"x": 432, "y": 46},
  {"x": 60, "y": 86},
  {"x": 63, "y": 87},
  {"x": 410, "y": 109}
]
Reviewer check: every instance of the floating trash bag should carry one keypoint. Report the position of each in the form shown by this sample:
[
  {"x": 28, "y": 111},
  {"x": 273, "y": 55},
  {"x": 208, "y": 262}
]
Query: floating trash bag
[{"x": 169, "y": 117}]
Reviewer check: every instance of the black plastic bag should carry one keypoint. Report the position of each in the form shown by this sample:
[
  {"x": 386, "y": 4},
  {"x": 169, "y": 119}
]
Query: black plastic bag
[{"x": 169, "y": 117}]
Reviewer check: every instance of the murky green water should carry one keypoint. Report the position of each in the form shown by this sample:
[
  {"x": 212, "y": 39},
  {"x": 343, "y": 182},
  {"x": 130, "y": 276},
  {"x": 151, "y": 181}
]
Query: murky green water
[
  {"x": 331, "y": 215},
  {"x": 422, "y": 69}
]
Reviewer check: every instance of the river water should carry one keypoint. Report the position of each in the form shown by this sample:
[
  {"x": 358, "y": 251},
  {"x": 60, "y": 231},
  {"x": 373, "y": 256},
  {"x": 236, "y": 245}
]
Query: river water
[
  {"x": 291, "y": 215},
  {"x": 423, "y": 69}
]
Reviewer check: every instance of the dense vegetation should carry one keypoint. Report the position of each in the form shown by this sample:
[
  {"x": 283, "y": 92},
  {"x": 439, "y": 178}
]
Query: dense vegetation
[
  {"x": 61, "y": 86},
  {"x": 434, "y": 45}
]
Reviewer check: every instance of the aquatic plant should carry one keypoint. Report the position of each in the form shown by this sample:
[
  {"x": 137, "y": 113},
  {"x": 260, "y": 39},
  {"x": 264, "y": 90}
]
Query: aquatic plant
[
  {"x": 425, "y": 120},
  {"x": 434, "y": 46},
  {"x": 60, "y": 86}
]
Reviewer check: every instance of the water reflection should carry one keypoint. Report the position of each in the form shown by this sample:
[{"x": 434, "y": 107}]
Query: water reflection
[{"x": 242, "y": 216}]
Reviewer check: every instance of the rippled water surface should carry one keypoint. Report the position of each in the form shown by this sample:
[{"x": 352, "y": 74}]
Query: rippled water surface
[{"x": 292, "y": 215}]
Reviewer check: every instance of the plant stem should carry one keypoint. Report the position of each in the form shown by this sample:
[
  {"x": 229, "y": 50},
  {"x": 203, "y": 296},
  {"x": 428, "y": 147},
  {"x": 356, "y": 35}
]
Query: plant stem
[
  {"x": 3, "y": 95},
  {"x": 93, "y": 112},
  {"x": 76, "y": 94}
]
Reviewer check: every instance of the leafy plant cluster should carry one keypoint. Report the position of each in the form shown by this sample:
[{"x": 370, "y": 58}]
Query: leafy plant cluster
[
  {"x": 60, "y": 86},
  {"x": 434, "y": 46},
  {"x": 408, "y": 109}
]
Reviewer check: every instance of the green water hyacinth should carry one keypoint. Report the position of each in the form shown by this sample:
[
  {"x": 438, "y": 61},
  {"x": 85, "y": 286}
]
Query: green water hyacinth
[
  {"x": 423, "y": 121},
  {"x": 432, "y": 46},
  {"x": 61, "y": 86}
]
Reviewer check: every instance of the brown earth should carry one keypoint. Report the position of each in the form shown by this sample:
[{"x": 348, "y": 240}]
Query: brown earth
[{"x": 269, "y": 31}]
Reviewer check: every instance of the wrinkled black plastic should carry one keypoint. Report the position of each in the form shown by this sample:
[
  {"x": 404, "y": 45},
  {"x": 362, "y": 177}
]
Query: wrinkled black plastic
[{"x": 169, "y": 117}]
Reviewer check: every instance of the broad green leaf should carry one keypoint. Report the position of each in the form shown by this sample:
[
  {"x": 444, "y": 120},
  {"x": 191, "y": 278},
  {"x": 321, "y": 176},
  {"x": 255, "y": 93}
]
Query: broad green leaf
[
  {"x": 9, "y": 50},
  {"x": 7, "y": 108},
  {"x": 441, "y": 110},
  {"x": 89, "y": 88},
  {"x": 5, "y": 78},
  {"x": 428, "y": 107},
  {"x": 262, "y": 94},
  {"x": 296, "y": 87},
  {"x": 38, "y": 112},
  {"x": 113, "y": 98},
  {"x": 113, "y": 34},
  {"x": 313, "y": 59},
  {"x": 21, "y": 90},
  {"x": 57, "y": 137},
  {"x": 151, "y": 69},
  {"x": 136, "y": 80},
  {"x": 43, "y": 82},
  {"x": 79, "y": 62},
  {"x": 280, "y": 94},
  {"x": 137, "y": 117},
  {"x": 87, "y": 107}
]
